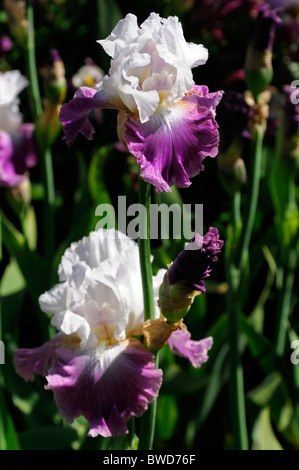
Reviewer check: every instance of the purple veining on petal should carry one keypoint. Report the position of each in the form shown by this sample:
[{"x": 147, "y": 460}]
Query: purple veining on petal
[
  {"x": 107, "y": 386},
  {"x": 195, "y": 351},
  {"x": 171, "y": 146},
  {"x": 193, "y": 264}
]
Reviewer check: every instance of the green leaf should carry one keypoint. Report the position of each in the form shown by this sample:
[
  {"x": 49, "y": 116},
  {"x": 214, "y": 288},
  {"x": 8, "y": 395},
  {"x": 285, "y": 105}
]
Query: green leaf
[
  {"x": 263, "y": 435},
  {"x": 257, "y": 315},
  {"x": 30, "y": 228},
  {"x": 12, "y": 280},
  {"x": 29, "y": 262},
  {"x": 214, "y": 386},
  {"x": 8, "y": 435},
  {"x": 260, "y": 347},
  {"x": 96, "y": 175},
  {"x": 263, "y": 393},
  {"x": 167, "y": 416}
]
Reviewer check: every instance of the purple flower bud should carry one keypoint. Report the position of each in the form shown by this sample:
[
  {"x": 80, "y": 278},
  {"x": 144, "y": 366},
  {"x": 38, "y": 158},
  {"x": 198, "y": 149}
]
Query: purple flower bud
[
  {"x": 193, "y": 265},
  {"x": 54, "y": 56}
]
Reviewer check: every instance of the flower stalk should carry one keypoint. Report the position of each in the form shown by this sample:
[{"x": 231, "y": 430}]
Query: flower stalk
[
  {"x": 147, "y": 422},
  {"x": 145, "y": 252},
  {"x": 35, "y": 99}
]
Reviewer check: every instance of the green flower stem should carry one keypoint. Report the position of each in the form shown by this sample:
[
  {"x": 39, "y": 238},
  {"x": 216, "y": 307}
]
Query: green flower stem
[
  {"x": 35, "y": 99},
  {"x": 49, "y": 209},
  {"x": 236, "y": 216},
  {"x": 45, "y": 152},
  {"x": 145, "y": 252},
  {"x": 147, "y": 421}
]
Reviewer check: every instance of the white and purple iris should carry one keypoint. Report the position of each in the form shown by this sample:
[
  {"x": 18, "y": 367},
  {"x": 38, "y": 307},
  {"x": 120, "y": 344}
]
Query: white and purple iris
[
  {"x": 165, "y": 120},
  {"x": 94, "y": 365},
  {"x": 17, "y": 150}
]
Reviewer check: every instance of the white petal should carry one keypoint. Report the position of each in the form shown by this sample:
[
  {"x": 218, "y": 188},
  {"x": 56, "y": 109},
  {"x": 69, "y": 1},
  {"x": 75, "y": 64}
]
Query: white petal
[
  {"x": 69, "y": 323},
  {"x": 11, "y": 84},
  {"x": 97, "y": 247},
  {"x": 58, "y": 298},
  {"x": 124, "y": 33}
]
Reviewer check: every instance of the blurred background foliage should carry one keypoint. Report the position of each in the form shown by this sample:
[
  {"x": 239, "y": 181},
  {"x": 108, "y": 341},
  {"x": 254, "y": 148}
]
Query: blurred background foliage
[{"x": 193, "y": 407}]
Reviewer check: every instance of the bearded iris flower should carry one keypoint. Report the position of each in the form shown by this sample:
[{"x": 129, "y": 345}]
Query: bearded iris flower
[
  {"x": 165, "y": 120},
  {"x": 94, "y": 365}
]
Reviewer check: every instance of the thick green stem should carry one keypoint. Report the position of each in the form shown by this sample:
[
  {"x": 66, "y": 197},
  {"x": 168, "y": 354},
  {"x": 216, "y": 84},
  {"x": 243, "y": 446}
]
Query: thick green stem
[
  {"x": 35, "y": 99},
  {"x": 145, "y": 252},
  {"x": 49, "y": 208},
  {"x": 147, "y": 421}
]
